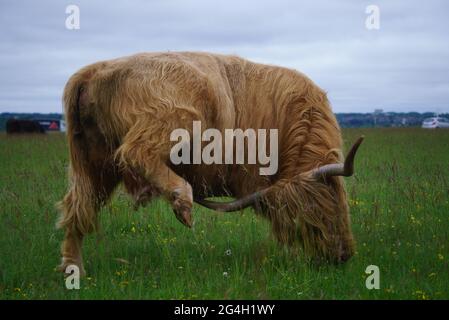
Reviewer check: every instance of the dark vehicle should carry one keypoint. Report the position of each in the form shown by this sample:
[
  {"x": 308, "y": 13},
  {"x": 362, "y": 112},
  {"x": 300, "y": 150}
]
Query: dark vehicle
[{"x": 14, "y": 126}]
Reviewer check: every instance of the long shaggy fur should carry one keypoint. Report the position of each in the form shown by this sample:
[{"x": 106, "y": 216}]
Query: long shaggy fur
[{"x": 120, "y": 114}]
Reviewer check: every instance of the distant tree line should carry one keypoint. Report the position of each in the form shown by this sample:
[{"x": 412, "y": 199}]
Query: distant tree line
[
  {"x": 384, "y": 119},
  {"x": 346, "y": 120}
]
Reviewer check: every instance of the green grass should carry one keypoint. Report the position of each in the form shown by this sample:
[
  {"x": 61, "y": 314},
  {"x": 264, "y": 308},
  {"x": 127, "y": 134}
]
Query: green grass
[{"x": 400, "y": 218}]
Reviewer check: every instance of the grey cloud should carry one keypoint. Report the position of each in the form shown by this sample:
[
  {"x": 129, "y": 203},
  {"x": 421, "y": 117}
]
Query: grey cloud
[{"x": 403, "y": 66}]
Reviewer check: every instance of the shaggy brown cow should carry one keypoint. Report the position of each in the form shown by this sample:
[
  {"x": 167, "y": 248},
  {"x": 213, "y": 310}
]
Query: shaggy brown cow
[{"x": 120, "y": 114}]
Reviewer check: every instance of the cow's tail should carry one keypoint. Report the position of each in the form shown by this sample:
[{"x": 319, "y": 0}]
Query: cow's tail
[
  {"x": 78, "y": 206},
  {"x": 74, "y": 89}
]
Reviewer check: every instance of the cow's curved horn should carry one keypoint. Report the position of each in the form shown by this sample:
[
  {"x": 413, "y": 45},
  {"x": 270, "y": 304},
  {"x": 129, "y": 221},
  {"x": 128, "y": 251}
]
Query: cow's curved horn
[
  {"x": 345, "y": 169},
  {"x": 235, "y": 205}
]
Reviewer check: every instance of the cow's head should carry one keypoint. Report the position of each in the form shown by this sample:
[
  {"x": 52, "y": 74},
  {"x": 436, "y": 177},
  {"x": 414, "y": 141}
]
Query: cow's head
[{"x": 310, "y": 207}]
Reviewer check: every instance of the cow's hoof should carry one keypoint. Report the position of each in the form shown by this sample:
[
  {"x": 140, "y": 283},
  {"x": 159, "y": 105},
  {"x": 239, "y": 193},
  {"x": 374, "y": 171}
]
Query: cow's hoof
[
  {"x": 182, "y": 206},
  {"x": 184, "y": 216},
  {"x": 68, "y": 266},
  {"x": 183, "y": 212}
]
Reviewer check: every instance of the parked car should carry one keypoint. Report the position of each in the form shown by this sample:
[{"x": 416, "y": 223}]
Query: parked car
[{"x": 435, "y": 122}]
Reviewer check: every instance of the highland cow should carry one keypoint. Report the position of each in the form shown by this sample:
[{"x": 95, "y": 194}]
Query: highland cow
[{"x": 120, "y": 114}]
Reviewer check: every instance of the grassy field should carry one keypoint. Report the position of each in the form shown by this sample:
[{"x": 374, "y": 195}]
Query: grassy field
[{"x": 400, "y": 216}]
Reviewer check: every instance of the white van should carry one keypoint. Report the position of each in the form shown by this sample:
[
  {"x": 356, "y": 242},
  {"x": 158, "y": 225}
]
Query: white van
[{"x": 435, "y": 122}]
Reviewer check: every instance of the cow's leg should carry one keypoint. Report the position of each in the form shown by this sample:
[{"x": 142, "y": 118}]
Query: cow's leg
[
  {"x": 71, "y": 251},
  {"x": 88, "y": 192},
  {"x": 139, "y": 189},
  {"x": 174, "y": 188},
  {"x": 147, "y": 153}
]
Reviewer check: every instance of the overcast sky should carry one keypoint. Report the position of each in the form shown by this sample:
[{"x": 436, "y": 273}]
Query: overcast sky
[{"x": 403, "y": 66}]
